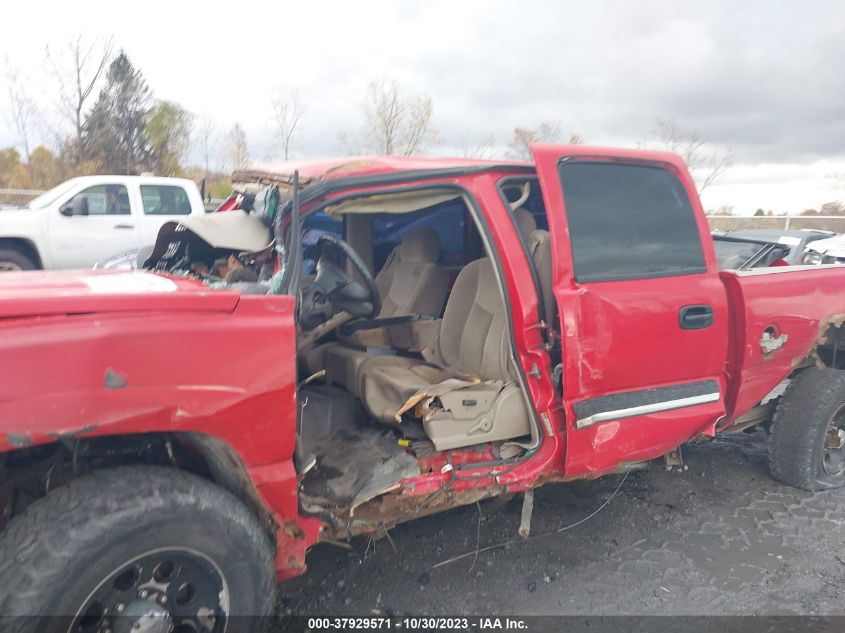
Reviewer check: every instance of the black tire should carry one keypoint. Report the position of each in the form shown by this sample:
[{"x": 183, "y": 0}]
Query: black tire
[
  {"x": 62, "y": 549},
  {"x": 11, "y": 259},
  {"x": 800, "y": 433}
]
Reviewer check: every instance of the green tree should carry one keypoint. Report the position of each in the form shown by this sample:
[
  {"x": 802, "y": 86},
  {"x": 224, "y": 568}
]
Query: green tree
[
  {"x": 114, "y": 132},
  {"x": 168, "y": 133},
  {"x": 759, "y": 212}
]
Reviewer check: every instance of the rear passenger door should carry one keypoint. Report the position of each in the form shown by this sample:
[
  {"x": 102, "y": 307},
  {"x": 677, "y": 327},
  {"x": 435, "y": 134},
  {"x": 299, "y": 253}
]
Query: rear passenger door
[
  {"x": 160, "y": 204},
  {"x": 643, "y": 311}
]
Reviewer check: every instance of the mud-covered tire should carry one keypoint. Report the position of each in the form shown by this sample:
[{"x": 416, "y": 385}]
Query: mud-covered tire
[
  {"x": 56, "y": 554},
  {"x": 802, "y": 421},
  {"x": 11, "y": 260}
]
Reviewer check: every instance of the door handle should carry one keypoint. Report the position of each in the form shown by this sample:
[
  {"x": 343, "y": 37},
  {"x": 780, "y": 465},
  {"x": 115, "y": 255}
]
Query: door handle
[
  {"x": 695, "y": 317},
  {"x": 124, "y": 226}
]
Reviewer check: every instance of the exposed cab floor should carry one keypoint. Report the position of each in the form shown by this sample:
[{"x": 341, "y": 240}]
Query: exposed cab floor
[{"x": 355, "y": 465}]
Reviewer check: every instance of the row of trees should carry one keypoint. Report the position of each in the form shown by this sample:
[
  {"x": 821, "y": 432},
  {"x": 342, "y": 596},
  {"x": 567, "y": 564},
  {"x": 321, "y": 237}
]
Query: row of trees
[
  {"x": 112, "y": 123},
  {"x": 107, "y": 121}
]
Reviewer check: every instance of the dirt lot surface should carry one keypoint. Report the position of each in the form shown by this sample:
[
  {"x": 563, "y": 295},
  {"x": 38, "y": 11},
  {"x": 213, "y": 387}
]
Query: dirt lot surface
[{"x": 718, "y": 538}]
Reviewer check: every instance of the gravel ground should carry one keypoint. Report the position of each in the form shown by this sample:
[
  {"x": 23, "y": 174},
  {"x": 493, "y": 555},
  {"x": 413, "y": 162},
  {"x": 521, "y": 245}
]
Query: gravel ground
[{"x": 720, "y": 538}]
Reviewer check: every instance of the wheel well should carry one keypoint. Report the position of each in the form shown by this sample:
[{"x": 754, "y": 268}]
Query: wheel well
[
  {"x": 30, "y": 473},
  {"x": 24, "y": 246},
  {"x": 830, "y": 348}
]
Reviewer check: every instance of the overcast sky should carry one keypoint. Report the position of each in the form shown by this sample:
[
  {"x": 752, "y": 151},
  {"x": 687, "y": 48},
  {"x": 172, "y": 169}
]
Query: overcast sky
[{"x": 762, "y": 79}]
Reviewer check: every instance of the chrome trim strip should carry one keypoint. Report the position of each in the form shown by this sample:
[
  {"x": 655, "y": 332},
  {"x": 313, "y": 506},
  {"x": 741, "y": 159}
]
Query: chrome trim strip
[{"x": 645, "y": 409}]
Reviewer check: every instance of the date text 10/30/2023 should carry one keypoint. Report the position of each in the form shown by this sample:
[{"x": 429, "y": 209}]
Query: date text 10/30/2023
[{"x": 417, "y": 623}]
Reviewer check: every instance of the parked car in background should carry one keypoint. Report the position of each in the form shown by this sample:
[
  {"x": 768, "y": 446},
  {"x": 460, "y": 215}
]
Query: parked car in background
[
  {"x": 796, "y": 240},
  {"x": 744, "y": 253},
  {"x": 92, "y": 218},
  {"x": 827, "y": 251}
]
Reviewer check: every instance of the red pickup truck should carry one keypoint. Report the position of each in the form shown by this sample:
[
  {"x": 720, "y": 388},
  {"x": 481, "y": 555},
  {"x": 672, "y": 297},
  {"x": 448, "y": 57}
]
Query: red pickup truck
[{"x": 402, "y": 336}]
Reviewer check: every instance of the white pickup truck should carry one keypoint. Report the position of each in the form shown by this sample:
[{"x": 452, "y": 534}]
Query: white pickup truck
[{"x": 89, "y": 219}]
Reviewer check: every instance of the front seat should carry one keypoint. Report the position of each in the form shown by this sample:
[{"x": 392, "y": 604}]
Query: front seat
[
  {"x": 487, "y": 404},
  {"x": 410, "y": 282}
]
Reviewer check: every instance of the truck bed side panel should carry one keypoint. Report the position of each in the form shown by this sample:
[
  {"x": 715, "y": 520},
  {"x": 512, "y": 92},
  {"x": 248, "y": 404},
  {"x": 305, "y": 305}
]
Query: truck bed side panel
[{"x": 795, "y": 305}]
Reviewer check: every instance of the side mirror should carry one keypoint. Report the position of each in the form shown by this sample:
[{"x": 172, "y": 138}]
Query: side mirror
[{"x": 78, "y": 205}]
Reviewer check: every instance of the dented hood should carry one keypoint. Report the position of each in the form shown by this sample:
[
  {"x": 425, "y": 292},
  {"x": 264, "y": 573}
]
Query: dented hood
[{"x": 40, "y": 293}]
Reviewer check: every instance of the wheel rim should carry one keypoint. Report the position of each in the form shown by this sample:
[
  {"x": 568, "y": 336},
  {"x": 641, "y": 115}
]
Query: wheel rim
[
  {"x": 178, "y": 590},
  {"x": 833, "y": 460},
  {"x": 10, "y": 267}
]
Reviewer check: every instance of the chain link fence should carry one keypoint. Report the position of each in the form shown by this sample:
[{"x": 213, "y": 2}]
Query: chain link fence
[
  {"x": 834, "y": 223},
  {"x": 17, "y": 196}
]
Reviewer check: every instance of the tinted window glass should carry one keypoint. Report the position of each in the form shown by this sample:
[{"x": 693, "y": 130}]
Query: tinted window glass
[
  {"x": 165, "y": 200},
  {"x": 447, "y": 219},
  {"x": 629, "y": 222},
  {"x": 106, "y": 200}
]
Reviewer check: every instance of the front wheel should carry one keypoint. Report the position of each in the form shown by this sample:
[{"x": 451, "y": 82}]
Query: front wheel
[
  {"x": 13, "y": 260},
  {"x": 807, "y": 443},
  {"x": 136, "y": 548}
]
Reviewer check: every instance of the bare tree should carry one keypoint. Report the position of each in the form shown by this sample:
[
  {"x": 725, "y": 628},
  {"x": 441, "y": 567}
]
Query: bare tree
[
  {"x": 237, "y": 147},
  {"x": 287, "y": 114},
  {"x": 77, "y": 69},
  {"x": 207, "y": 140},
  {"x": 396, "y": 124},
  {"x": 706, "y": 164},
  {"x": 22, "y": 108},
  {"x": 545, "y": 132},
  {"x": 481, "y": 149}
]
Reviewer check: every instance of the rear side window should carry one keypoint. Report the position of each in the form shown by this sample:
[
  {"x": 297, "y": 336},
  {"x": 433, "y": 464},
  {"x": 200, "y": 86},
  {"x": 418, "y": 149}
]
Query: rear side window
[
  {"x": 165, "y": 200},
  {"x": 629, "y": 222}
]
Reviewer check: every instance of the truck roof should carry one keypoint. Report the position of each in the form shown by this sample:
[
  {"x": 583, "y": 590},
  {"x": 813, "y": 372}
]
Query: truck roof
[
  {"x": 360, "y": 167},
  {"x": 351, "y": 167}
]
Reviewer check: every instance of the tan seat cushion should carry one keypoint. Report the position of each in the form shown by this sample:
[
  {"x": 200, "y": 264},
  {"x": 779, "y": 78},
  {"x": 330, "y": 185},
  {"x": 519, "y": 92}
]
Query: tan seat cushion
[
  {"x": 540, "y": 248},
  {"x": 411, "y": 281},
  {"x": 474, "y": 334},
  {"x": 473, "y": 340},
  {"x": 525, "y": 221},
  {"x": 386, "y": 383},
  {"x": 343, "y": 365}
]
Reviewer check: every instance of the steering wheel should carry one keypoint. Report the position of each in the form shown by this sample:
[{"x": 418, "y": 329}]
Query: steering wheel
[{"x": 334, "y": 290}]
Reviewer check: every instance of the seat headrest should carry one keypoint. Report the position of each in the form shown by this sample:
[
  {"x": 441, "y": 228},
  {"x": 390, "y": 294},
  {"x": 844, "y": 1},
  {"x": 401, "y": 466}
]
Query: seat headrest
[
  {"x": 525, "y": 221},
  {"x": 420, "y": 246}
]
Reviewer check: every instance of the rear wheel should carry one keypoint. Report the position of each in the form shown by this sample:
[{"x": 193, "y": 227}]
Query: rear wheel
[
  {"x": 137, "y": 548},
  {"x": 13, "y": 260},
  {"x": 807, "y": 443}
]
